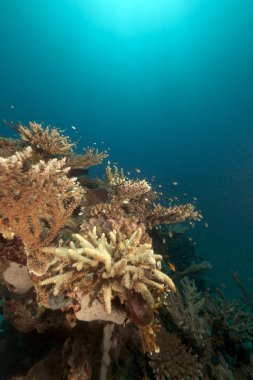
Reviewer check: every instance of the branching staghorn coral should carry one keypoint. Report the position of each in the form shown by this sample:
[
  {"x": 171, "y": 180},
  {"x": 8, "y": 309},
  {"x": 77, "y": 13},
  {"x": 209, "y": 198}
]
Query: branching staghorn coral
[
  {"x": 91, "y": 158},
  {"x": 108, "y": 268},
  {"x": 170, "y": 215},
  {"x": 143, "y": 206},
  {"x": 184, "y": 308},
  {"x": 45, "y": 140},
  {"x": 174, "y": 361},
  {"x": 113, "y": 175},
  {"x": 124, "y": 190},
  {"x": 36, "y": 200}
]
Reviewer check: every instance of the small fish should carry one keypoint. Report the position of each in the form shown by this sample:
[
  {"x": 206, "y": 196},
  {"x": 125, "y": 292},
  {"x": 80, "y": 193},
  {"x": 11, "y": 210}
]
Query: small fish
[
  {"x": 137, "y": 170},
  {"x": 172, "y": 266},
  {"x": 73, "y": 127},
  {"x": 206, "y": 224},
  {"x": 160, "y": 186},
  {"x": 174, "y": 183},
  {"x": 125, "y": 202},
  {"x": 164, "y": 241},
  {"x": 170, "y": 234},
  {"x": 190, "y": 238},
  {"x": 128, "y": 173},
  {"x": 12, "y": 106},
  {"x": 195, "y": 198},
  {"x": 171, "y": 199}
]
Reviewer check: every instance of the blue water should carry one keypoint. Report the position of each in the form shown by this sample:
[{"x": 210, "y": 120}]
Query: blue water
[{"x": 166, "y": 85}]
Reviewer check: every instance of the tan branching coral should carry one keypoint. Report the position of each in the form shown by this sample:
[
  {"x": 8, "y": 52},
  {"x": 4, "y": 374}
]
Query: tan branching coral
[
  {"x": 124, "y": 190},
  {"x": 170, "y": 215},
  {"x": 91, "y": 158},
  {"x": 45, "y": 140},
  {"x": 143, "y": 206},
  {"x": 104, "y": 210},
  {"x": 113, "y": 175},
  {"x": 36, "y": 200},
  {"x": 108, "y": 268},
  {"x": 174, "y": 361}
]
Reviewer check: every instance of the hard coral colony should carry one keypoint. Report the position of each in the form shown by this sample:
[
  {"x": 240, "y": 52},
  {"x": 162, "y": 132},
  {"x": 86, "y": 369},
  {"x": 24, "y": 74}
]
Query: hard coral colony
[{"x": 78, "y": 252}]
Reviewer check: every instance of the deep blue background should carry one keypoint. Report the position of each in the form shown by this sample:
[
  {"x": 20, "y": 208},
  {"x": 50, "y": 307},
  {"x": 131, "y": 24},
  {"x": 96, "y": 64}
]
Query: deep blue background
[{"x": 175, "y": 101}]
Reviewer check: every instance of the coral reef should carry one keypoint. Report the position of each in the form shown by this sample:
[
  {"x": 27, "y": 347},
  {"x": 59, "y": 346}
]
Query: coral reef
[{"x": 87, "y": 260}]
